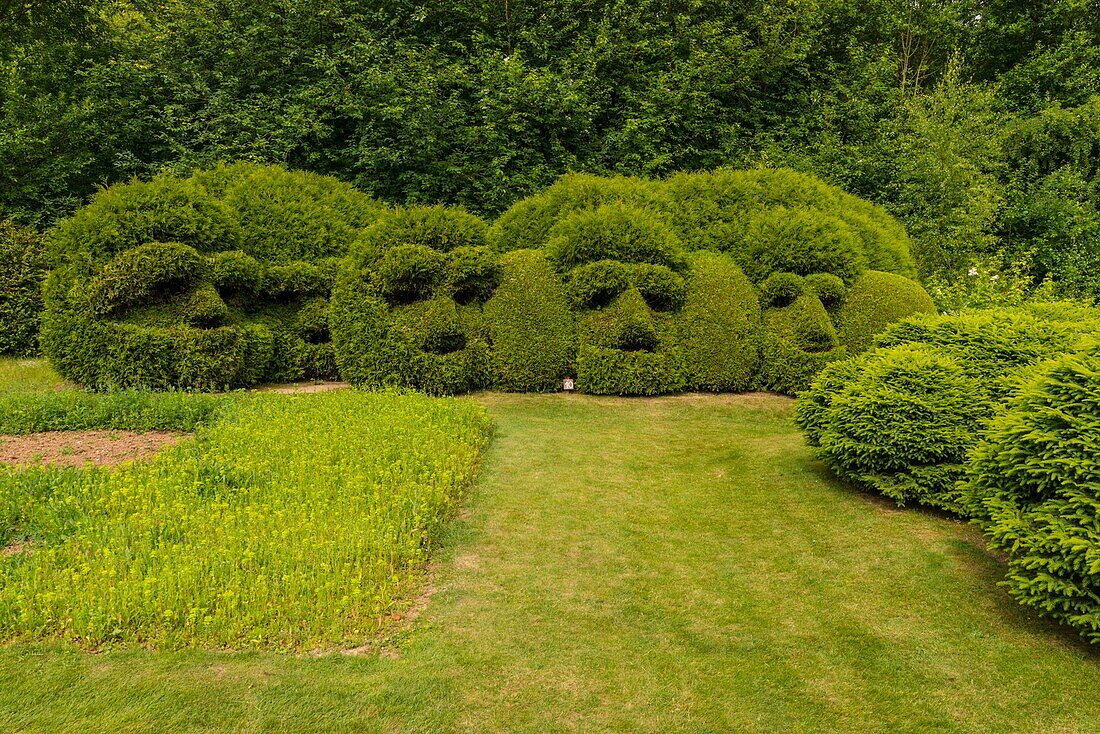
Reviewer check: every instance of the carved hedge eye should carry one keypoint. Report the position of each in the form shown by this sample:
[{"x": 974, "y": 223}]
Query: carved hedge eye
[
  {"x": 597, "y": 284},
  {"x": 662, "y": 289},
  {"x": 473, "y": 273},
  {"x": 408, "y": 273}
]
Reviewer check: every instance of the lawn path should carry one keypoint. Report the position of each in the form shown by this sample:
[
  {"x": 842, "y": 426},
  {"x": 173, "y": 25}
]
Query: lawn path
[{"x": 669, "y": 565}]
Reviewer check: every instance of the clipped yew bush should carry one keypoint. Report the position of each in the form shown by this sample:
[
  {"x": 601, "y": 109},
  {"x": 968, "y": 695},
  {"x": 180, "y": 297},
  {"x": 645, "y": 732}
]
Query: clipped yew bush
[
  {"x": 530, "y": 325},
  {"x": 407, "y": 308},
  {"x": 617, "y": 232},
  {"x": 875, "y": 301},
  {"x": 719, "y": 326},
  {"x": 798, "y": 338},
  {"x": 22, "y": 271},
  {"x": 900, "y": 418},
  {"x": 1034, "y": 487},
  {"x": 200, "y": 283}
]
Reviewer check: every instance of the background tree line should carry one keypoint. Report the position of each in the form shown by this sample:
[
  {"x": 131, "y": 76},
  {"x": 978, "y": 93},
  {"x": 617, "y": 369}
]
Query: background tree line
[{"x": 975, "y": 121}]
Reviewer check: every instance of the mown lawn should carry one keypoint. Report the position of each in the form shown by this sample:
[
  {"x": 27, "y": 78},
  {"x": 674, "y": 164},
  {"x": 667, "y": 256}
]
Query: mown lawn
[{"x": 678, "y": 564}]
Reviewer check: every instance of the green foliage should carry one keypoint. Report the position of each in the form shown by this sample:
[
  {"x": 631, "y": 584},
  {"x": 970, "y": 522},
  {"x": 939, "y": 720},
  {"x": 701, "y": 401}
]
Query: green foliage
[
  {"x": 286, "y": 216},
  {"x": 781, "y": 289},
  {"x": 801, "y": 241},
  {"x": 613, "y": 232},
  {"x": 408, "y": 315},
  {"x": 875, "y": 301},
  {"x": 22, "y": 270},
  {"x": 529, "y": 222},
  {"x": 900, "y": 424},
  {"x": 286, "y": 525},
  {"x": 142, "y": 273},
  {"x": 437, "y": 227},
  {"x": 798, "y": 341},
  {"x": 604, "y": 371},
  {"x": 530, "y": 325},
  {"x": 900, "y": 418},
  {"x": 236, "y": 273},
  {"x": 1034, "y": 486},
  {"x": 719, "y": 326},
  {"x": 164, "y": 209},
  {"x": 77, "y": 410},
  {"x": 829, "y": 289}
]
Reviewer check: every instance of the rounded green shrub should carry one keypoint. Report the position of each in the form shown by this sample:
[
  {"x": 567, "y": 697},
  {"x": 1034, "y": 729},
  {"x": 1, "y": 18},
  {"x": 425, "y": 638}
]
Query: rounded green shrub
[
  {"x": 407, "y": 273},
  {"x": 165, "y": 209},
  {"x": 614, "y": 232},
  {"x": 802, "y": 241},
  {"x": 530, "y": 325},
  {"x": 236, "y": 272},
  {"x": 719, "y": 326},
  {"x": 158, "y": 272},
  {"x": 901, "y": 423},
  {"x": 441, "y": 228},
  {"x": 473, "y": 273},
  {"x": 970, "y": 364},
  {"x": 661, "y": 288},
  {"x": 716, "y": 211},
  {"x": 22, "y": 272},
  {"x": 828, "y": 288},
  {"x": 527, "y": 224},
  {"x": 284, "y": 216},
  {"x": 596, "y": 284},
  {"x": 875, "y": 301},
  {"x": 1034, "y": 487},
  {"x": 407, "y": 307}
]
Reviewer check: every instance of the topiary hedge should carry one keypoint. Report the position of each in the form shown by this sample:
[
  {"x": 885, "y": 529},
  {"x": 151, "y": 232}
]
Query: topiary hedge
[
  {"x": 407, "y": 309},
  {"x": 530, "y": 325},
  {"x": 22, "y": 271},
  {"x": 201, "y": 282},
  {"x": 1034, "y": 486},
  {"x": 875, "y": 301},
  {"x": 798, "y": 338},
  {"x": 720, "y": 326},
  {"x": 900, "y": 418}
]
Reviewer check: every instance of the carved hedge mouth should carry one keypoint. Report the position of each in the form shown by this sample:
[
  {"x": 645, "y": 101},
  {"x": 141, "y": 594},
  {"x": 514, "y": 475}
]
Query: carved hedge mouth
[{"x": 443, "y": 344}]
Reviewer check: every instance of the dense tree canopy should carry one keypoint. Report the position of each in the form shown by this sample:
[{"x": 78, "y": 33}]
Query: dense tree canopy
[{"x": 973, "y": 120}]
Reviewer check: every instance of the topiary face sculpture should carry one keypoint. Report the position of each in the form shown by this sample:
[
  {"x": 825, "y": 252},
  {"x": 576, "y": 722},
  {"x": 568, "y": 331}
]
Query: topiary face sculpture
[
  {"x": 624, "y": 273},
  {"x": 157, "y": 285},
  {"x": 408, "y": 306}
]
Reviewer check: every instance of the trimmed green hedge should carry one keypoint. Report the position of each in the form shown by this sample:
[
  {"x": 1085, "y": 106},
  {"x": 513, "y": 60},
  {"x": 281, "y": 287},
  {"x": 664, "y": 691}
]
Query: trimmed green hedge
[
  {"x": 530, "y": 325},
  {"x": 614, "y": 232},
  {"x": 220, "y": 280},
  {"x": 900, "y": 418},
  {"x": 875, "y": 301},
  {"x": 1034, "y": 486},
  {"x": 798, "y": 341},
  {"x": 407, "y": 307},
  {"x": 720, "y": 326},
  {"x": 22, "y": 272}
]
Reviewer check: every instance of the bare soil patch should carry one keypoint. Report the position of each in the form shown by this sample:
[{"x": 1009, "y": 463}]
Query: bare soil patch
[{"x": 77, "y": 448}]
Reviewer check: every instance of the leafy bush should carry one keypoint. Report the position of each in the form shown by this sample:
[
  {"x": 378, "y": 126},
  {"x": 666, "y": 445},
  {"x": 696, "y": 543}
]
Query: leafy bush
[
  {"x": 215, "y": 305},
  {"x": 596, "y": 284},
  {"x": 165, "y": 209},
  {"x": 720, "y": 326},
  {"x": 441, "y": 228},
  {"x": 828, "y": 288},
  {"x": 287, "y": 524},
  {"x": 139, "y": 274},
  {"x": 613, "y": 232},
  {"x": 22, "y": 270},
  {"x": 746, "y": 212},
  {"x": 781, "y": 289},
  {"x": 798, "y": 341},
  {"x": 528, "y": 223},
  {"x": 603, "y": 371},
  {"x": 407, "y": 314},
  {"x": 1034, "y": 485},
  {"x": 286, "y": 216},
  {"x": 530, "y": 325},
  {"x": 900, "y": 418},
  {"x": 802, "y": 241},
  {"x": 901, "y": 425},
  {"x": 876, "y": 300}
]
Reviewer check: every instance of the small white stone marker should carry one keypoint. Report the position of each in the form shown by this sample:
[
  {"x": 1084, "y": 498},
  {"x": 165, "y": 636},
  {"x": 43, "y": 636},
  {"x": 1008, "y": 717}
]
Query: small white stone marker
[{"x": 567, "y": 384}]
